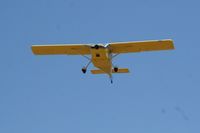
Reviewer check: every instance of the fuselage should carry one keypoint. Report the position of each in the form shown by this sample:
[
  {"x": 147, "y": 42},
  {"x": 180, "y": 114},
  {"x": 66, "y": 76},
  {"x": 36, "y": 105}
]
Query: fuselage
[{"x": 101, "y": 58}]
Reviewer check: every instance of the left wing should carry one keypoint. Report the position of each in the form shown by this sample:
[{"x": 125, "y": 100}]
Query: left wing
[
  {"x": 73, "y": 49},
  {"x": 128, "y": 47}
]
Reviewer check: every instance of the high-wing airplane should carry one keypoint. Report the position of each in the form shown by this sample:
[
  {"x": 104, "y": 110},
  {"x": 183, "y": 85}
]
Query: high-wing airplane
[{"x": 102, "y": 55}]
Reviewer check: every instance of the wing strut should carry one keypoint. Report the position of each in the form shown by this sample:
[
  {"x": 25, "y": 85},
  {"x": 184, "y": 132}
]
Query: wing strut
[
  {"x": 84, "y": 69},
  {"x": 86, "y": 57},
  {"x": 113, "y": 56}
]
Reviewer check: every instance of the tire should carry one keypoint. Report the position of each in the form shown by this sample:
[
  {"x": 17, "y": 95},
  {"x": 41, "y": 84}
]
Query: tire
[
  {"x": 84, "y": 70},
  {"x": 115, "y": 69}
]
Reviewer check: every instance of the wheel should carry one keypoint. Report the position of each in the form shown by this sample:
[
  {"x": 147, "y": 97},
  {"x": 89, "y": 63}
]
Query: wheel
[
  {"x": 84, "y": 70},
  {"x": 115, "y": 69}
]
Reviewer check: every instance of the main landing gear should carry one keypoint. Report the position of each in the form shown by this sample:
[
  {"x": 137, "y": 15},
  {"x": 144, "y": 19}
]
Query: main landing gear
[
  {"x": 84, "y": 69},
  {"x": 115, "y": 69}
]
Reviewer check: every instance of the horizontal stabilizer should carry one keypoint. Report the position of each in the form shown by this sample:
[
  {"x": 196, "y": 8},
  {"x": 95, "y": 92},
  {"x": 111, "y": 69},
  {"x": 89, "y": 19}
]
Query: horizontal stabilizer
[{"x": 120, "y": 70}]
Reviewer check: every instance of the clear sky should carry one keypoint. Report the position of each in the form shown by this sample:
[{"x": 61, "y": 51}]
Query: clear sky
[{"x": 49, "y": 94}]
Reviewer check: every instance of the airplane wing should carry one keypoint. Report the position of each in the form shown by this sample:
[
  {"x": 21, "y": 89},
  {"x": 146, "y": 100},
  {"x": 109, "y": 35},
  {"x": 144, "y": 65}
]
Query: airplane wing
[
  {"x": 73, "y": 49},
  {"x": 152, "y": 45}
]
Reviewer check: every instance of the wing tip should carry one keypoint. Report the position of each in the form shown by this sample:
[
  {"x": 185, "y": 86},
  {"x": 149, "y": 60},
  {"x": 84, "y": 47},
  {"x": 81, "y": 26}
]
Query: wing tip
[
  {"x": 169, "y": 43},
  {"x": 33, "y": 49}
]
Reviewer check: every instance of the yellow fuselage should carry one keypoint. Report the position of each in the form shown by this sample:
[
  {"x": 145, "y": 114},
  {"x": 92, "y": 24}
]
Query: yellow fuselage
[{"x": 101, "y": 58}]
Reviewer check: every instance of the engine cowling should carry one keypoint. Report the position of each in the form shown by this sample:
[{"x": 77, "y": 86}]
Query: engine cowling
[{"x": 96, "y": 46}]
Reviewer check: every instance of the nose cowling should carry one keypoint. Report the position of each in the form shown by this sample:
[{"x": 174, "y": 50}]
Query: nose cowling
[{"x": 95, "y": 46}]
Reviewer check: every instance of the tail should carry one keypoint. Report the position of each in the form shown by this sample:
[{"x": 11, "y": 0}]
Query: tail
[{"x": 120, "y": 70}]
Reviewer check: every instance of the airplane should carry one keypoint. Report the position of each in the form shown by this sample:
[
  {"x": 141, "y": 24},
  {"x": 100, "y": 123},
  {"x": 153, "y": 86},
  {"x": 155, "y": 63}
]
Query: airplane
[{"x": 102, "y": 55}]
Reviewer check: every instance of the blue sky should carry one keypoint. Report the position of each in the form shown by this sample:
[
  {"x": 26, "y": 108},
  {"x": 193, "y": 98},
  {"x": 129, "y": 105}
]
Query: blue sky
[{"x": 50, "y": 93}]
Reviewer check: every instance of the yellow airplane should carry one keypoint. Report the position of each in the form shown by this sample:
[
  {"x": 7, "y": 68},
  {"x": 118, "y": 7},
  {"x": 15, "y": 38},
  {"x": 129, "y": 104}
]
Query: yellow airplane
[{"x": 102, "y": 55}]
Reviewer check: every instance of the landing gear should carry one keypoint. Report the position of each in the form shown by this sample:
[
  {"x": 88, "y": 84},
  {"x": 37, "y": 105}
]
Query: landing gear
[
  {"x": 84, "y": 70},
  {"x": 115, "y": 69}
]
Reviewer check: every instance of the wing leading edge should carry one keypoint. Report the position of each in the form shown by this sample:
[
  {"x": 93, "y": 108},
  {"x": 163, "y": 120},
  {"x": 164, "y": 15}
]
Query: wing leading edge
[
  {"x": 152, "y": 45},
  {"x": 74, "y": 49}
]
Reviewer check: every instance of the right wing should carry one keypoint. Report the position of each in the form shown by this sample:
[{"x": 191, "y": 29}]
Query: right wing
[
  {"x": 73, "y": 49},
  {"x": 129, "y": 47}
]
